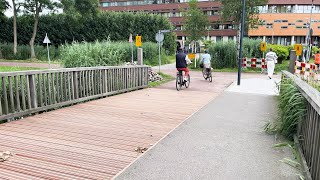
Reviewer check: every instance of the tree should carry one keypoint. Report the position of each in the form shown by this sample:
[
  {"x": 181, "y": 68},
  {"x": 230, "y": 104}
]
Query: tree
[
  {"x": 35, "y": 7},
  {"x": 195, "y": 22},
  {"x": 87, "y": 8},
  {"x": 232, "y": 9},
  {"x": 4, "y": 5},
  {"x": 16, "y": 7}
]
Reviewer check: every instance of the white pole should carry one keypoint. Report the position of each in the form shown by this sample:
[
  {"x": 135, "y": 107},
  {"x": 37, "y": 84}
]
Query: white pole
[
  {"x": 131, "y": 53},
  {"x": 48, "y": 55},
  {"x": 309, "y": 37},
  {"x": 159, "y": 52}
]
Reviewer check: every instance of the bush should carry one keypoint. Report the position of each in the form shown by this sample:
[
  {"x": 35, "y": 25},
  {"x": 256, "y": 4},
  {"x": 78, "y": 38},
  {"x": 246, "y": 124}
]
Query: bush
[
  {"x": 106, "y": 53},
  {"x": 224, "y": 54},
  {"x": 62, "y": 28},
  {"x": 23, "y": 52},
  {"x": 281, "y": 51}
]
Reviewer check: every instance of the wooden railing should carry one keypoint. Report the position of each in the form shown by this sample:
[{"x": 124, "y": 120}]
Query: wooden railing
[
  {"x": 308, "y": 133},
  {"x": 27, "y": 92}
]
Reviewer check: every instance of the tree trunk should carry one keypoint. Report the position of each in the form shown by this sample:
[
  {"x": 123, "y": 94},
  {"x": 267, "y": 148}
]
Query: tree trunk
[
  {"x": 1, "y": 57},
  {"x": 14, "y": 27},
  {"x": 35, "y": 28}
]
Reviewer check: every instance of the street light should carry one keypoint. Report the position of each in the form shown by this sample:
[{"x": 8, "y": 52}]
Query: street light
[{"x": 309, "y": 35}]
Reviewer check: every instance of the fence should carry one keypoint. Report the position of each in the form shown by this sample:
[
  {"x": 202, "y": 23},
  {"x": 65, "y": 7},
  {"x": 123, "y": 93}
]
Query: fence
[
  {"x": 308, "y": 133},
  {"x": 254, "y": 63},
  {"x": 304, "y": 69},
  {"x": 26, "y": 92}
]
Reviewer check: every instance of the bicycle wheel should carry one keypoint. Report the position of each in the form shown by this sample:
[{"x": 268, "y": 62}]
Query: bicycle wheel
[
  {"x": 188, "y": 82},
  {"x": 210, "y": 76},
  {"x": 178, "y": 82},
  {"x": 204, "y": 73}
]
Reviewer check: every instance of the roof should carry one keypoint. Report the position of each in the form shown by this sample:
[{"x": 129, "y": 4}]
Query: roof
[
  {"x": 156, "y": 7},
  {"x": 275, "y": 2}
]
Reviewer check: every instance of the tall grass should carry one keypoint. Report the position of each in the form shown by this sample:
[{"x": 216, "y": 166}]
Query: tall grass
[
  {"x": 292, "y": 109},
  {"x": 23, "y": 52},
  {"x": 224, "y": 54},
  {"x": 107, "y": 53}
]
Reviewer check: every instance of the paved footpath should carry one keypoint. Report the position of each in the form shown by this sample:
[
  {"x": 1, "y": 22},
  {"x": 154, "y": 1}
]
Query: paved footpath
[{"x": 223, "y": 140}]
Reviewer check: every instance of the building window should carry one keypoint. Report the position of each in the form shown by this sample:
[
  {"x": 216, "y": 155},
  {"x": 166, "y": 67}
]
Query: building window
[
  {"x": 291, "y": 24},
  {"x": 318, "y": 27},
  {"x": 277, "y": 21},
  {"x": 284, "y": 27},
  {"x": 218, "y": 38},
  {"x": 299, "y": 27},
  {"x": 230, "y": 38},
  {"x": 299, "y": 20},
  {"x": 284, "y": 20},
  {"x": 269, "y": 27}
]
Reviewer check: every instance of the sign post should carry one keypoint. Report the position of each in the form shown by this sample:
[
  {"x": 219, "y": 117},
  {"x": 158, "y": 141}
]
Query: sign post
[
  {"x": 298, "y": 49},
  {"x": 160, "y": 38},
  {"x": 131, "y": 42},
  {"x": 263, "y": 48},
  {"x": 47, "y": 41}
]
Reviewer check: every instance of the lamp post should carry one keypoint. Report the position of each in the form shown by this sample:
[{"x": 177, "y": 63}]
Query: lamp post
[
  {"x": 309, "y": 36},
  {"x": 241, "y": 37}
]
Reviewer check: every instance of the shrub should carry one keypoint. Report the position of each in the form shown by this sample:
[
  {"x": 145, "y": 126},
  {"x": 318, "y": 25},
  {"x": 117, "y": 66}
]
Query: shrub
[
  {"x": 106, "y": 53},
  {"x": 281, "y": 51},
  {"x": 23, "y": 52}
]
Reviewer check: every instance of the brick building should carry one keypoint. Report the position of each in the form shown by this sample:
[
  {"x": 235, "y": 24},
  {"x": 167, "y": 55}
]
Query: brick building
[
  {"x": 287, "y": 22},
  {"x": 217, "y": 31},
  {"x": 283, "y": 22}
]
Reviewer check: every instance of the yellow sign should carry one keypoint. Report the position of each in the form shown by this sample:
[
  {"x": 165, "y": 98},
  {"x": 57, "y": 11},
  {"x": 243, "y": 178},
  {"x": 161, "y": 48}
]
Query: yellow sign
[
  {"x": 138, "y": 41},
  {"x": 298, "y": 49},
  {"x": 263, "y": 46},
  {"x": 191, "y": 56}
]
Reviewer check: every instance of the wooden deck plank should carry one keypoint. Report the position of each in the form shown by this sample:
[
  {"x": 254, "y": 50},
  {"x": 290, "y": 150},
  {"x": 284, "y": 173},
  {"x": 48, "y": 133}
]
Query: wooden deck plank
[{"x": 97, "y": 139}]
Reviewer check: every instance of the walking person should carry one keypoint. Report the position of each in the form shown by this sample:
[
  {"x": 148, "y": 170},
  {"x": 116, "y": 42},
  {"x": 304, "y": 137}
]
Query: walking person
[
  {"x": 317, "y": 59},
  {"x": 271, "y": 58}
]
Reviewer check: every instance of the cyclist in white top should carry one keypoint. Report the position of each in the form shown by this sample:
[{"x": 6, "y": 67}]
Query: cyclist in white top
[
  {"x": 206, "y": 60},
  {"x": 271, "y": 58}
]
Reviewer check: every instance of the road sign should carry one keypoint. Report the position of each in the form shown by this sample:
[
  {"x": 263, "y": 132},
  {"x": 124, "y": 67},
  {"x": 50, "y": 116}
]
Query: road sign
[
  {"x": 191, "y": 55},
  {"x": 298, "y": 49},
  {"x": 263, "y": 46},
  {"x": 138, "y": 41},
  {"x": 159, "y": 37},
  {"x": 130, "y": 38},
  {"x": 164, "y": 31},
  {"x": 46, "y": 40}
]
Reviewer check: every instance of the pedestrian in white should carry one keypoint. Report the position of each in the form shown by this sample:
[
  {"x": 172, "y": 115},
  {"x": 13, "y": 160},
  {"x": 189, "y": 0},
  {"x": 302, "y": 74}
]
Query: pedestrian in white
[{"x": 271, "y": 58}]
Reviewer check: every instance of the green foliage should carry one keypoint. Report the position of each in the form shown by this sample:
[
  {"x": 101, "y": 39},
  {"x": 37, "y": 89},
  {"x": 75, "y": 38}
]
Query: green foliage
[
  {"x": 106, "y": 53},
  {"x": 281, "y": 51},
  {"x": 195, "y": 22},
  {"x": 224, "y": 53},
  {"x": 232, "y": 10},
  {"x": 24, "y": 52},
  {"x": 62, "y": 28},
  {"x": 314, "y": 50},
  {"x": 292, "y": 109}
]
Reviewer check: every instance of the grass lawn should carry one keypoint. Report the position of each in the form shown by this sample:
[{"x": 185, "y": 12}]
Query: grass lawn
[
  {"x": 29, "y": 61},
  {"x": 11, "y": 68},
  {"x": 166, "y": 78}
]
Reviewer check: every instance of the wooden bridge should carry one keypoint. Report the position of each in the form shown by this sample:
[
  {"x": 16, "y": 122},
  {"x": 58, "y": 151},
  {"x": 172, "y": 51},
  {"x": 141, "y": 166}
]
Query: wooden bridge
[{"x": 95, "y": 139}]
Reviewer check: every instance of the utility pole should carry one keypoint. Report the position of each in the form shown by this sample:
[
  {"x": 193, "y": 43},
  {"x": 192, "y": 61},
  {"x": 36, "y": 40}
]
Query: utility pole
[
  {"x": 241, "y": 37},
  {"x": 309, "y": 36}
]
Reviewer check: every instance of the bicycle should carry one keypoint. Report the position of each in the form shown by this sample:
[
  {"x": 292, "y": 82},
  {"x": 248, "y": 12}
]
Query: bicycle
[
  {"x": 180, "y": 81},
  {"x": 207, "y": 74}
]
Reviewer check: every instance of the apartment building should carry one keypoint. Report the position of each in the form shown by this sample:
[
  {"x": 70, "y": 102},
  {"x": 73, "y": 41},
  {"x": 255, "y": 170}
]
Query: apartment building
[
  {"x": 217, "y": 31},
  {"x": 288, "y": 22}
]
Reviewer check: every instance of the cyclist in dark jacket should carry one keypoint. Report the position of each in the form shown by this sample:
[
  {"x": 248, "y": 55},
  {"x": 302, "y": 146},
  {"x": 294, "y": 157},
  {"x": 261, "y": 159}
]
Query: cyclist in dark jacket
[{"x": 182, "y": 61}]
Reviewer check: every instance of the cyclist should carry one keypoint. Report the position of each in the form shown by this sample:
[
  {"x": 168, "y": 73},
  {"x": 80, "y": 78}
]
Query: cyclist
[
  {"x": 182, "y": 62},
  {"x": 206, "y": 61}
]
